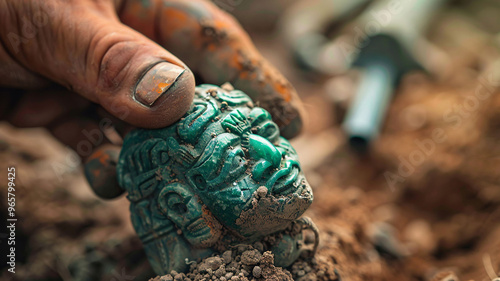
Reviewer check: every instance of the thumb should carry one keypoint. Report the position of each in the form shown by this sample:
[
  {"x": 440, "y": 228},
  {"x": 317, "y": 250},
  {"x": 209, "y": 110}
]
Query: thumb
[{"x": 84, "y": 47}]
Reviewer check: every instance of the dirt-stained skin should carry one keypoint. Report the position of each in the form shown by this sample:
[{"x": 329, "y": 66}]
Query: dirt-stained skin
[
  {"x": 223, "y": 52},
  {"x": 101, "y": 49}
]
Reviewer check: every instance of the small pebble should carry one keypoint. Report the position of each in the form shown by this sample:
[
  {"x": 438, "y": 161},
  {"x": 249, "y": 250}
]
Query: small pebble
[
  {"x": 227, "y": 257},
  {"x": 257, "y": 272},
  {"x": 220, "y": 272},
  {"x": 251, "y": 257},
  {"x": 227, "y": 86},
  {"x": 167, "y": 277},
  {"x": 210, "y": 264},
  {"x": 262, "y": 191},
  {"x": 242, "y": 248},
  {"x": 259, "y": 246}
]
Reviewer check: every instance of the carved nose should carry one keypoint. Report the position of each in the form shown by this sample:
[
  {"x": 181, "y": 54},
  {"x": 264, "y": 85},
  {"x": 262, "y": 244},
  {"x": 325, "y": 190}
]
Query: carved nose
[
  {"x": 261, "y": 148},
  {"x": 265, "y": 153}
]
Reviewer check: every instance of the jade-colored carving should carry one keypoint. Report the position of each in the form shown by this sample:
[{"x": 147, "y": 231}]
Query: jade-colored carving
[{"x": 221, "y": 175}]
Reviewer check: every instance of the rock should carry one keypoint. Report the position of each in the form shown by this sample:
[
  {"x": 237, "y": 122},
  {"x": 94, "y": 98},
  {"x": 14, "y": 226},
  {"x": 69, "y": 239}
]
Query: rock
[
  {"x": 242, "y": 248},
  {"x": 257, "y": 272},
  {"x": 212, "y": 264},
  {"x": 227, "y": 256},
  {"x": 233, "y": 266},
  {"x": 248, "y": 265},
  {"x": 167, "y": 277},
  {"x": 251, "y": 257},
  {"x": 309, "y": 277},
  {"x": 267, "y": 258},
  {"x": 259, "y": 246},
  {"x": 220, "y": 272},
  {"x": 261, "y": 192}
]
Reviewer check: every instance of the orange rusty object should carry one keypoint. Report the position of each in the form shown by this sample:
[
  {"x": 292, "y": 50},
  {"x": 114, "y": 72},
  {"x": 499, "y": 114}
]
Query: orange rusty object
[
  {"x": 215, "y": 46},
  {"x": 100, "y": 170},
  {"x": 100, "y": 156}
]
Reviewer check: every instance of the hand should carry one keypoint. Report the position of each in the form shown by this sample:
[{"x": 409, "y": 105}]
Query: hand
[{"x": 113, "y": 54}]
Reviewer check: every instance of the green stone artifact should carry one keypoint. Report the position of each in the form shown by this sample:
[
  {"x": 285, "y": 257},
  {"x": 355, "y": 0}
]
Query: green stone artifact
[{"x": 220, "y": 176}]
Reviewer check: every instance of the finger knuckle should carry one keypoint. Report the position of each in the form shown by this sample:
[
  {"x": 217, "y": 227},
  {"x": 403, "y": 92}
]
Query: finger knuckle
[{"x": 111, "y": 55}]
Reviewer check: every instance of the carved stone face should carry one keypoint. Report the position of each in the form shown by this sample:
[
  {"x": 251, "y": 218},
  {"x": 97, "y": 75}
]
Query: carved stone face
[
  {"x": 203, "y": 172},
  {"x": 246, "y": 152}
]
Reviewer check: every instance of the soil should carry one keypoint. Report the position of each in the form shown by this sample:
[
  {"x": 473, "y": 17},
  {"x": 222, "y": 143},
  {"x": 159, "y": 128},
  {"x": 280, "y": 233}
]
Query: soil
[
  {"x": 424, "y": 204},
  {"x": 438, "y": 221},
  {"x": 243, "y": 264}
]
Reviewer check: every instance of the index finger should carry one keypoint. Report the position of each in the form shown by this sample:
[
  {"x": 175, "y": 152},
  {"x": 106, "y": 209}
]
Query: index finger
[{"x": 215, "y": 47}]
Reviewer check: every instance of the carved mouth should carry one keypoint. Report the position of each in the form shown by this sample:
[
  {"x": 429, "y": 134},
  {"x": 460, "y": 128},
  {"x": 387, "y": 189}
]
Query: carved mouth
[
  {"x": 197, "y": 227},
  {"x": 287, "y": 184},
  {"x": 285, "y": 181}
]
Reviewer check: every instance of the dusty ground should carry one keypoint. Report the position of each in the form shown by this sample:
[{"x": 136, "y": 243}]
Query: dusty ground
[{"x": 423, "y": 205}]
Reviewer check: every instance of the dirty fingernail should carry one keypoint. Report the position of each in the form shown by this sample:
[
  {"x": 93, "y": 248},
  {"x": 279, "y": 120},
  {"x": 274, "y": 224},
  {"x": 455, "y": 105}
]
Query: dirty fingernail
[{"x": 156, "y": 82}]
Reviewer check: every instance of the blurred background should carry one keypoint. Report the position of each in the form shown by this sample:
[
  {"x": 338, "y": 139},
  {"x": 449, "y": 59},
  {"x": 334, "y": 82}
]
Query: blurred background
[{"x": 400, "y": 145}]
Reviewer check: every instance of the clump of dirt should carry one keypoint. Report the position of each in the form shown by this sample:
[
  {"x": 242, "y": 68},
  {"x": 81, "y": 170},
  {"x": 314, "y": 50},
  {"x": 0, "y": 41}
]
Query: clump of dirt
[
  {"x": 260, "y": 217},
  {"x": 242, "y": 263}
]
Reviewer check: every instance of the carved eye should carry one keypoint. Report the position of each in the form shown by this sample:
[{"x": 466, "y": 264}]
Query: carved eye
[
  {"x": 238, "y": 161},
  {"x": 238, "y": 166},
  {"x": 200, "y": 182},
  {"x": 175, "y": 204}
]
